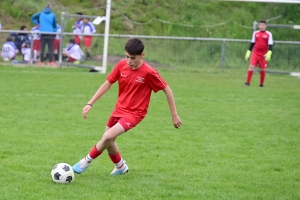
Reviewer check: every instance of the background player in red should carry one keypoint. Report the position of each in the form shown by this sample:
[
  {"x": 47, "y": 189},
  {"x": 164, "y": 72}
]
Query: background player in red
[
  {"x": 261, "y": 43},
  {"x": 78, "y": 29},
  {"x": 88, "y": 30},
  {"x": 57, "y": 42},
  {"x": 36, "y": 43},
  {"x": 136, "y": 81}
]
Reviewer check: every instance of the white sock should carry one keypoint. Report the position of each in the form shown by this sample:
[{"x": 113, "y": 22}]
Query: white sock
[
  {"x": 120, "y": 163},
  {"x": 88, "y": 158},
  {"x": 35, "y": 55}
]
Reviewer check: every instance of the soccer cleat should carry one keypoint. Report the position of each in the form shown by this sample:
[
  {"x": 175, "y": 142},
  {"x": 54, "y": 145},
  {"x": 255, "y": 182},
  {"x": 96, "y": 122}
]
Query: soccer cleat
[
  {"x": 81, "y": 166},
  {"x": 119, "y": 171},
  {"x": 41, "y": 63},
  {"x": 53, "y": 64},
  {"x": 246, "y": 84},
  {"x": 261, "y": 85}
]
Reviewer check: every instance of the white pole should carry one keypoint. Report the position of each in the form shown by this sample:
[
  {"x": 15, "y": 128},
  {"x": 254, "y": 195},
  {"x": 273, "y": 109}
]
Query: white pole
[{"x": 106, "y": 36}]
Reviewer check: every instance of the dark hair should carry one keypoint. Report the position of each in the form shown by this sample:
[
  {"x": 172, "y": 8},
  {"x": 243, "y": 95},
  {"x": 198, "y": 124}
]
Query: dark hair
[
  {"x": 134, "y": 46},
  {"x": 72, "y": 41},
  {"x": 9, "y": 39},
  {"x": 27, "y": 44},
  {"x": 263, "y": 21},
  {"x": 22, "y": 27},
  {"x": 79, "y": 13}
]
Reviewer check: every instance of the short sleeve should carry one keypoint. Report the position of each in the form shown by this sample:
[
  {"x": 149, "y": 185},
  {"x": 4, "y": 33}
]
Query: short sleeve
[
  {"x": 253, "y": 40},
  {"x": 157, "y": 82},
  {"x": 270, "y": 40},
  {"x": 114, "y": 75}
]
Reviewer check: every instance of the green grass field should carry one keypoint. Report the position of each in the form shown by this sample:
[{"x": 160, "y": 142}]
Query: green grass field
[{"x": 235, "y": 142}]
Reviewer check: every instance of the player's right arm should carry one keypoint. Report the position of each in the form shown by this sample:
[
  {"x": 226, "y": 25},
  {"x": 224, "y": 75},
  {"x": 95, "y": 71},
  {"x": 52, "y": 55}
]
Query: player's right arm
[
  {"x": 35, "y": 18},
  {"x": 248, "y": 53},
  {"x": 102, "y": 90}
]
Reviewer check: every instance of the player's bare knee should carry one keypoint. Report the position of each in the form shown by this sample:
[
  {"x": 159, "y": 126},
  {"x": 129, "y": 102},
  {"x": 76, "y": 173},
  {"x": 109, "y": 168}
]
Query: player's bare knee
[
  {"x": 107, "y": 138},
  {"x": 251, "y": 68}
]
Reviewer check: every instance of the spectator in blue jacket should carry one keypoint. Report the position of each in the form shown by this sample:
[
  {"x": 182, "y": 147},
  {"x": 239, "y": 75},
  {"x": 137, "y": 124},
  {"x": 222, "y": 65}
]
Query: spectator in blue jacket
[
  {"x": 47, "y": 21},
  {"x": 20, "y": 38}
]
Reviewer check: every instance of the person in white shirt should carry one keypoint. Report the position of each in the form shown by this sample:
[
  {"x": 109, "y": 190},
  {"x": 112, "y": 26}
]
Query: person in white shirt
[
  {"x": 73, "y": 52},
  {"x": 56, "y": 42},
  {"x": 78, "y": 29},
  {"x": 88, "y": 30},
  {"x": 26, "y": 51},
  {"x": 36, "y": 42},
  {"x": 9, "y": 50}
]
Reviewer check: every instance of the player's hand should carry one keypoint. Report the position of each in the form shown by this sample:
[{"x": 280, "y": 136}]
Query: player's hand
[
  {"x": 268, "y": 56},
  {"x": 247, "y": 56},
  {"x": 176, "y": 121},
  {"x": 85, "y": 110}
]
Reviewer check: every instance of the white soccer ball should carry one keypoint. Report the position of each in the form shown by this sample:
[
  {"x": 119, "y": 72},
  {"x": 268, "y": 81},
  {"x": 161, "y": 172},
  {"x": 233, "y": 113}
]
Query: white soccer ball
[{"x": 62, "y": 173}]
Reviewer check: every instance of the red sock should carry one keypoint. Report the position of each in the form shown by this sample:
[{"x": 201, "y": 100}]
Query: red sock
[
  {"x": 94, "y": 153},
  {"x": 250, "y": 73},
  {"x": 262, "y": 76},
  {"x": 115, "y": 158}
]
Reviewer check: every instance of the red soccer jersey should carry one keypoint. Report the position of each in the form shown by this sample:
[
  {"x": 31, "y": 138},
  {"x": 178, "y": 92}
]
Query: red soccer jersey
[
  {"x": 135, "y": 88},
  {"x": 262, "y": 40}
]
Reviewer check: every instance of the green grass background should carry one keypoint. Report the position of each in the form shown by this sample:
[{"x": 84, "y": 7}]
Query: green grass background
[
  {"x": 193, "y": 18},
  {"x": 235, "y": 143}
]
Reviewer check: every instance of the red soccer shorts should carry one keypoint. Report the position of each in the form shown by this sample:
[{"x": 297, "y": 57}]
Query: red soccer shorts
[
  {"x": 77, "y": 40},
  {"x": 258, "y": 61},
  {"x": 88, "y": 41},
  {"x": 36, "y": 45},
  {"x": 56, "y": 44},
  {"x": 70, "y": 59},
  {"x": 127, "y": 125}
]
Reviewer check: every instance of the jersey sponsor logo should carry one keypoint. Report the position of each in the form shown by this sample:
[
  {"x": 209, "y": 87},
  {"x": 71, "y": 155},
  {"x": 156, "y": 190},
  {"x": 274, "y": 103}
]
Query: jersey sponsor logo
[
  {"x": 265, "y": 36},
  {"x": 140, "y": 79}
]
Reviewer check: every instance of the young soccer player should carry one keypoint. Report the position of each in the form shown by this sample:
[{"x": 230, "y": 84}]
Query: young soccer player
[
  {"x": 78, "y": 29},
  {"x": 261, "y": 43},
  {"x": 36, "y": 43},
  {"x": 136, "y": 80},
  {"x": 20, "y": 38},
  {"x": 89, "y": 29},
  {"x": 73, "y": 52},
  {"x": 9, "y": 50},
  {"x": 56, "y": 42},
  {"x": 26, "y": 52}
]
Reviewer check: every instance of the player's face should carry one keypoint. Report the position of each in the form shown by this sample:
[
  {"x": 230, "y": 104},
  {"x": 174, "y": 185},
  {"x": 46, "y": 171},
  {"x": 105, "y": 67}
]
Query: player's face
[
  {"x": 134, "y": 61},
  {"x": 262, "y": 26}
]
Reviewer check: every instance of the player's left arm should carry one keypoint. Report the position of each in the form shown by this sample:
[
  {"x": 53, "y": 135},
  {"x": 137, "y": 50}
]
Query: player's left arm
[
  {"x": 270, "y": 46},
  {"x": 171, "y": 101}
]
